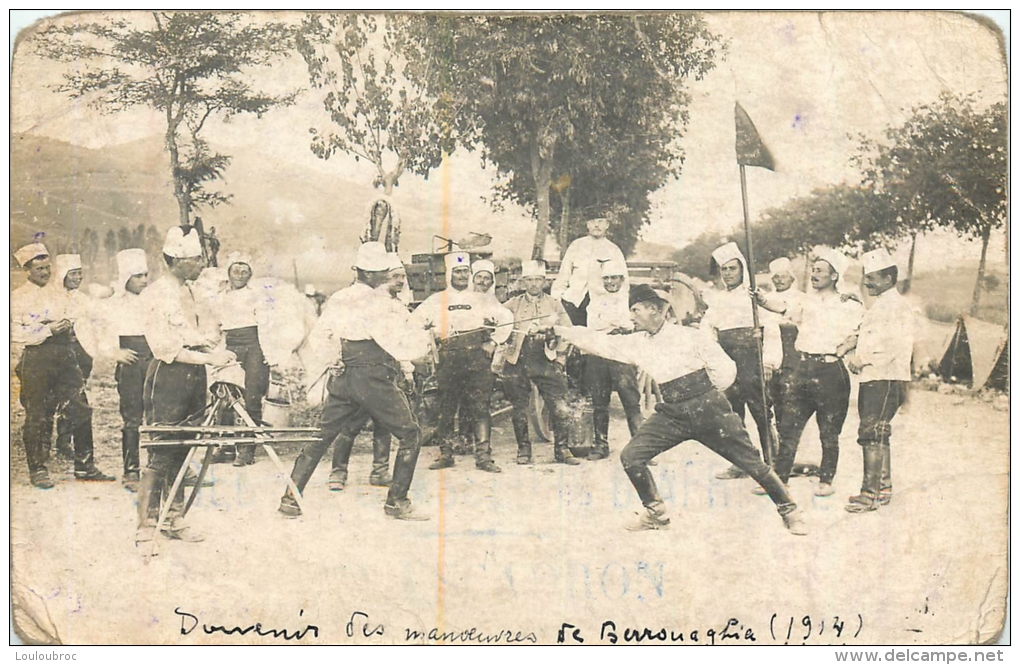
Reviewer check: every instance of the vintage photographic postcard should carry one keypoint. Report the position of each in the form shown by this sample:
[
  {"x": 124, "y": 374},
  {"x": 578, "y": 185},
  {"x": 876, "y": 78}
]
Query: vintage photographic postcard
[{"x": 436, "y": 328}]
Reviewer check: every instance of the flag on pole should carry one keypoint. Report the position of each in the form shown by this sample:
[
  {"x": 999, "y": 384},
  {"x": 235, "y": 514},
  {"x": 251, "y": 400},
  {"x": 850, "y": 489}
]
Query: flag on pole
[{"x": 751, "y": 151}]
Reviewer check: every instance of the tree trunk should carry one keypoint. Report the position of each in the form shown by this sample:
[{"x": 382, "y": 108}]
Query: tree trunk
[
  {"x": 565, "y": 222},
  {"x": 388, "y": 184},
  {"x": 541, "y": 171},
  {"x": 975, "y": 301},
  {"x": 180, "y": 187},
  {"x": 910, "y": 263}
]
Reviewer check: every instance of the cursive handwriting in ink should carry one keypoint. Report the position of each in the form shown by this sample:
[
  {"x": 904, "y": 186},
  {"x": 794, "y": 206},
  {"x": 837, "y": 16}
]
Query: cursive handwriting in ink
[
  {"x": 733, "y": 631},
  {"x": 190, "y": 621},
  {"x": 366, "y": 630}
]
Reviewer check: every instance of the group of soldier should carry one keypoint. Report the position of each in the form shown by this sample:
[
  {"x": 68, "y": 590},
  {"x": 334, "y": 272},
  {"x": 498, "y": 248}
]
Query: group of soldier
[{"x": 784, "y": 351}]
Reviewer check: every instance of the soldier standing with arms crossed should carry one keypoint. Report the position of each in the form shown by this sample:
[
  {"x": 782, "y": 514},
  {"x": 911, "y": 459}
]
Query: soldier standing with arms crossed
[
  {"x": 885, "y": 347},
  {"x": 49, "y": 373}
]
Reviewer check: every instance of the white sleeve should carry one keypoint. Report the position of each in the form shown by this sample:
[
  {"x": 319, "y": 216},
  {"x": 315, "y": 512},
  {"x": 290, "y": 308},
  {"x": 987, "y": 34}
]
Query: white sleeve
[{"x": 562, "y": 281}]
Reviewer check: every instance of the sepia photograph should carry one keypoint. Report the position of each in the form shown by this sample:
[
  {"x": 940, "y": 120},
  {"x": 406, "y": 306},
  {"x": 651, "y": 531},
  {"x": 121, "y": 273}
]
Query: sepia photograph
[{"x": 510, "y": 328}]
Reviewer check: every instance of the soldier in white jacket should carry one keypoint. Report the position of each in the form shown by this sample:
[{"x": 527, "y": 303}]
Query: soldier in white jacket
[{"x": 882, "y": 359}]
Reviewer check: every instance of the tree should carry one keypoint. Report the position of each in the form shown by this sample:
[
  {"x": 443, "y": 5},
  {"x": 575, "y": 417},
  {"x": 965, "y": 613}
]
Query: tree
[
  {"x": 377, "y": 114},
  {"x": 583, "y": 96},
  {"x": 110, "y": 244},
  {"x": 944, "y": 167},
  {"x": 189, "y": 66}
]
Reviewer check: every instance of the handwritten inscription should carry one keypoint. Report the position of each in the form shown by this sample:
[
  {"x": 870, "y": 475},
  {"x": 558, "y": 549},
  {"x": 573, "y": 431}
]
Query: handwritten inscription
[
  {"x": 190, "y": 622},
  {"x": 732, "y": 632}
]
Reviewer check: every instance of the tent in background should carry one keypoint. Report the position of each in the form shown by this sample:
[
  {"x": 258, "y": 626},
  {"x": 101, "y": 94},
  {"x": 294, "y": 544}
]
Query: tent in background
[{"x": 977, "y": 355}]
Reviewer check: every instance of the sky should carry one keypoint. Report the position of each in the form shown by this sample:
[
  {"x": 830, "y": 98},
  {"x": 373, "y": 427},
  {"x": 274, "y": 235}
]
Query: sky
[{"x": 808, "y": 80}]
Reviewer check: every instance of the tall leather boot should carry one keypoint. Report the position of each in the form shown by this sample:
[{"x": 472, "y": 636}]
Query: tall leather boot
[
  {"x": 245, "y": 454},
  {"x": 398, "y": 506},
  {"x": 483, "y": 446},
  {"x": 868, "y": 499},
  {"x": 885, "y": 485},
  {"x": 523, "y": 437},
  {"x": 403, "y": 471},
  {"x": 793, "y": 517},
  {"x": 600, "y": 421},
  {"x": 380, "y": 476},
  {"x": 304, "y": 466},
  {"x": 342, "y": 446},
  {"x": 84, "y": 459},
  {"x": 129, "y": 453}
]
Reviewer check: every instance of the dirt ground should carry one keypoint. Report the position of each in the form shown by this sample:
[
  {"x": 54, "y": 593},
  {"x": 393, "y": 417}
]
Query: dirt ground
[{"x": 515, "y": 555}]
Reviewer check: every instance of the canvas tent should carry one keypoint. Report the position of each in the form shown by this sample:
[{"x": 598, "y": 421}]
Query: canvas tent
[{"x": 977, "y": 355}]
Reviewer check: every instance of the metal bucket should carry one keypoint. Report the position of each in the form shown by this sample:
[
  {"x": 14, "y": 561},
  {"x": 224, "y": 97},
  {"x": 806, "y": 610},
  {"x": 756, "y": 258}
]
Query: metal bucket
[
  {"x": 276, "y": 413},
  {"x": 278, "y": 392}
]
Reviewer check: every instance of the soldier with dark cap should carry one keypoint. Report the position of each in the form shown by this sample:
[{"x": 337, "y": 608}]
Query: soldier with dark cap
[
  {"x": 882, "y": 358},
  {"x": 374, "y": 335},
  {"x": 50, "y": 376},
  {"x": 691, "y": 371}
]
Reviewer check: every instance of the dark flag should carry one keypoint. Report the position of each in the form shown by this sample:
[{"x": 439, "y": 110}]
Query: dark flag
[{"x": 751, "y": 151}]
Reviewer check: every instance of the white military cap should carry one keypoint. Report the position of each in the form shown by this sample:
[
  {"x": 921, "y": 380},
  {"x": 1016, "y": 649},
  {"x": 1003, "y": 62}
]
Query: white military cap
[
  {"x": 614, "y": 268},
  {"x": 237, "y": 257},
  {"x": 781, "y": 266},
  {"x": 483, "y": 265},
  {"x": 372, "y": 257},
  {"x": 457, "y": 260},
  {"x": 180, "y": 246},
  {"x": 876, "y": 260},
  {"x": 834, "y": 258},
  {"x": 727, "y": 253},
  {"x": 130, "y": 262},
  {"x": 65, "y": 263},
  {"x": 395, "y": 262},
  {"x": 532, "y": 268},
  {"x": 29, "y": 252}
]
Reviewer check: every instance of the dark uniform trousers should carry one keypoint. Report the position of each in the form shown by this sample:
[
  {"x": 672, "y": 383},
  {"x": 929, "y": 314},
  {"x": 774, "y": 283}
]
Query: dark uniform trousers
[
  {"x": 602, "y": 377},
  {"x": 131, "y": 389},
  {"x": 816, "y": 388},
  {"x": 51, "y": 384},
  {"x": 742, "y": 347},
  {"x": 551, "y": 380},
  {"x": 175, "y": 394},
  {"x": 877, "y": 404},
  {"x": 366, "y": 389},
  {"x": 465, "y": 381},
  {"x": 244, "y": 343},
  {"x": 694, "y": 409},
  {"x": 781, "y": 378},
  {"x": 64, "y": 426}
]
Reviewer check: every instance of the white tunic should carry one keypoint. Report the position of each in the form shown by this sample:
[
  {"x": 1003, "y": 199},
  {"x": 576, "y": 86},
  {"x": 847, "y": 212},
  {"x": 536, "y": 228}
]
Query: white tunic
[
  {"x": 452, "y": 311},
  {"x": 581, "y": 269},
  {"x": 824, "y": 321},
  {"x": 886, "y": 340},
  {"x": 673, "y": 352}
]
